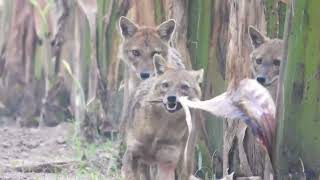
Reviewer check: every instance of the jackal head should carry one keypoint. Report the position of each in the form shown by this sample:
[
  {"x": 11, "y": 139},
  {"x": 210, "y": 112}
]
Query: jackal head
[
  {"x": 266, "y": 57},
  {"x": 172, "y": 83},
  {"x": 140, "y": 44}
]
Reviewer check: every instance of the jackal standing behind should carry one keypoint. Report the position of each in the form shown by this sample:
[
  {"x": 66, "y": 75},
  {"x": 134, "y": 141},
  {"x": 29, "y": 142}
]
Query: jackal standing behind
[
  {"x": 266, "y": 57},
  {"x": 139, "y": 45}
]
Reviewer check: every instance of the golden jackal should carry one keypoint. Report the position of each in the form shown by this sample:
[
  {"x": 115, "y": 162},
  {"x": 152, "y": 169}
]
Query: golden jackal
[
  {"x": 140, "y": 44},
  {"x": 156, "y": 133},
  {"x": 266, "y": 59}
]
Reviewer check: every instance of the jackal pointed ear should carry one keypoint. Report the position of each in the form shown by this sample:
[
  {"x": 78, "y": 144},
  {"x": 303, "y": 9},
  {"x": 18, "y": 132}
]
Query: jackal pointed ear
[
  {"x": 256, "y": 37},
  {"x": 198, "y": 75},
  {"x": 166, "y": 29},
  {"x": 127, "y": 27},
  {"x": 159, "y": 63}
]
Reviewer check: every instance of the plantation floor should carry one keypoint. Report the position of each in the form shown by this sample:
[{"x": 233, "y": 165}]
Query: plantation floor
[{"x": 52, "y": 153}]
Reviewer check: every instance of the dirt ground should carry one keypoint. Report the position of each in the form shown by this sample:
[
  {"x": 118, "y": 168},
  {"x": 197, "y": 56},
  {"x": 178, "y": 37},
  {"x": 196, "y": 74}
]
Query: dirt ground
[{"x": 52, "y": 153}]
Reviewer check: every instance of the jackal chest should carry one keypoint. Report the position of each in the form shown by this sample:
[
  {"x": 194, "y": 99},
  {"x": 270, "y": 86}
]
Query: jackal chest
[{"x": 154, "y": 131}]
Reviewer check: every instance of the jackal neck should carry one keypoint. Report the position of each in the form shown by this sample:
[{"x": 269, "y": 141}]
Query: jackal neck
[{"x": 273, "y": 88}]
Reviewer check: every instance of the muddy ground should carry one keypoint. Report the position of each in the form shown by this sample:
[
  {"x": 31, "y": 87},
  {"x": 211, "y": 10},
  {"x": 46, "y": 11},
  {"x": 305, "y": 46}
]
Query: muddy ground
[{"x": 54, "y": 153}]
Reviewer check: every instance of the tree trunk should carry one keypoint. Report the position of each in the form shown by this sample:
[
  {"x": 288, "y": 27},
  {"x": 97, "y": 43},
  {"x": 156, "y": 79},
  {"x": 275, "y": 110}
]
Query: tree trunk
[
  {"x": 215, "y": 79},
  {"x": 17, "y": 54},
  {"x": 207, "y": 25},
  {"x": 298, "y": 143},
  {"x": 241, "y": 153},
  {"x": 110, "y": 64},
  {"x": 178, "y": 10}
]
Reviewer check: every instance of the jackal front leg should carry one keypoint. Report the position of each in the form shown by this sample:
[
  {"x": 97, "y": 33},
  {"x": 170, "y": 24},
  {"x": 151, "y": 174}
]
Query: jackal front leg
[{"x": 129, "y": 170}]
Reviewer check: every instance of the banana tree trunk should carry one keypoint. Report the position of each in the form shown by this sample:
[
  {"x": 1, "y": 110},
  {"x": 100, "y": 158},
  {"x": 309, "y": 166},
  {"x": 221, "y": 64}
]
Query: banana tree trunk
[
  {"x": 206, "y": 27},
  {"x": 18, "y": 44},
  {"x": 109, "y": 63},
  {"x": 215, "y": 79},
  {"x": 241, "y": 153},
  {"x": 178, "y": 10},
  {"x": 298, "y": 143}
]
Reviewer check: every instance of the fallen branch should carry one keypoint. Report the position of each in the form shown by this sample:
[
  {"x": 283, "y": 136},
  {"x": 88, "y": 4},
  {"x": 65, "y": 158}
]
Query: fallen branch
[{"x": 54, "y": 167}]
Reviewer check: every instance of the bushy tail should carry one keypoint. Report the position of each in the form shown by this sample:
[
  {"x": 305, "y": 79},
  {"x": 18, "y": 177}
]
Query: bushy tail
[{"x": 250, "y": 102}]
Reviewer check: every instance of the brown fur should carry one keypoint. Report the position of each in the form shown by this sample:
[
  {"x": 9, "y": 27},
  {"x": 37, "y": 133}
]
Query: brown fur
[
  {"x": 155, "y": 136},
  {"x": 139, "y": 45},
  {"x": 266, "y": 57}
]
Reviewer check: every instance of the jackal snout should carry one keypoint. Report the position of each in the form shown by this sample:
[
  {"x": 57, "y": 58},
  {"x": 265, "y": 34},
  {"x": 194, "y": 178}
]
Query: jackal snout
[
  {"x": 144, "y": 75},
  {"x": 266, "y": 57},
  {"x": 141, "y": 43},
  {"x": 171, "y": 103}
]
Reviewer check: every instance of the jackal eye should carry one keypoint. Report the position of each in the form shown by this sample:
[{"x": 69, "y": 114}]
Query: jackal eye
[
  {"x": 259, "y": 61},
  {"x": 185, "y": 87},
  {"x": 164, "y": 84},
  {"x": 136, "y": 53},
  {"x": 155, "y": 52},
  {"x": 276, "y": 62}
]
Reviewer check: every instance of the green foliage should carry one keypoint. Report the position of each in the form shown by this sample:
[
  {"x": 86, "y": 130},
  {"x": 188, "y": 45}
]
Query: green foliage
[
  {"x": 204, "y": 163},
  {"x": 80, "y": 101},
  {"x": 110, "y": 33},
  {"x": 199, "y": 31},
  {"x": 103, "y": 5},
  {"x": 275, "y": 17},
  {"x": 5, "y": 21},
  {"x": 43, "y": 16},
  {"x": 282, "y": 14},
  {"x": 199, "y": 37},
  {"x": 298, "y": 136},
  {"x": 159, "y": 11},
  {"x": 79, "y": 88},
  {"x": 85, "y": 55},
  {"x": 42, "y": 52},
  {"x": 88, "y": 152},
  {"x": 271, "y": 18}
]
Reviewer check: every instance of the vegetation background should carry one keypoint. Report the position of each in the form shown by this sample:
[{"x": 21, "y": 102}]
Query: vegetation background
[{"x": 58, "y": 62}]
